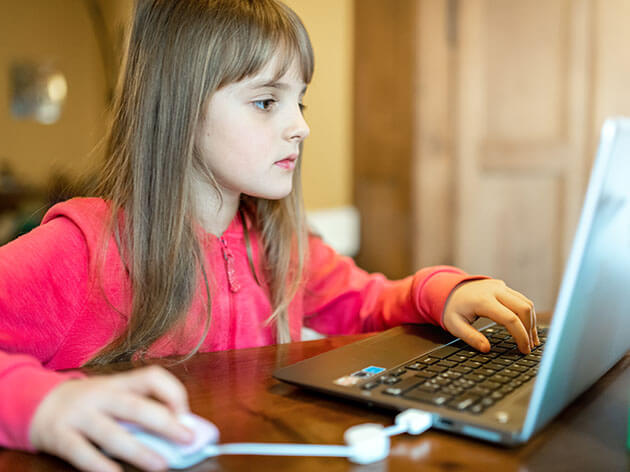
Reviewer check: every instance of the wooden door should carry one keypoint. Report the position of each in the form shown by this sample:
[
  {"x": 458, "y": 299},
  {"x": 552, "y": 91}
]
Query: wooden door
[
  {"x": 492, "y": 154},
  {"x": 522, "y": 151}
]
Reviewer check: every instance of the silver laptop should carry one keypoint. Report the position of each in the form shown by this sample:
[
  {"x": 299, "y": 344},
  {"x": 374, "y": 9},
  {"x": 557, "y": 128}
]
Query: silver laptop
[{"x": 505, "y": 396}]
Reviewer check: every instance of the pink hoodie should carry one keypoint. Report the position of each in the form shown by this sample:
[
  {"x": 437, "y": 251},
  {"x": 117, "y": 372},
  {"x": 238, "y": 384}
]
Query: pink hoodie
[{"x": 56, "y": 312}]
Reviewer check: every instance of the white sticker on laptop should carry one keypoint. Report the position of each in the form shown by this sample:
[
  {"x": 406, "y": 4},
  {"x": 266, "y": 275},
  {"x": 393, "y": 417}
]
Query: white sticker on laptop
[{"x": 358, "y": 376}]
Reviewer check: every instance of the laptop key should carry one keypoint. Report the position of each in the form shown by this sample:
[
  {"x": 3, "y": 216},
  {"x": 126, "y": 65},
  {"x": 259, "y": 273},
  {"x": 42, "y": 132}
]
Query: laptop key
[
  {"x": 487, "y": 401},
  {"x": 452, "y": 390},
  {"x": 401, "y": 387},
  {"x": 484, "y": 371},
  {"x": 507, "y": 345},
  {"x": 457, "y": 358},
  {"x": 398, "y": 372},
  {"x": 436, "y": 368},
  {"x": 445, "y": 363},
  {"x": 464, "y": 383},
  {"x": 481, "y": 359},
  {"x": 416, "y": 366},
  {"x": 428, "y": 387},
  {"x": 427, "y": 397},
  {"x": 441, "y": 381},
  {"x": 489, "y": 384},
  {"x": 390, "y": 380},
  {"x": 510, "y": 373},
  {"x": 512, "y": 356},
  {"x": 426, "y": 374},
  {"x": 370, "y": 385},
  {"x": 444, "y": 351},
  {"x": 462, "y": 369},
  {"x": 475, "y": 377},
  {"x": 451, "y": 375},
  {"x": 482, "y": 392},
  {"x": 468, "y": 353},
  {"x": 462, "y": 402},
  {"x": 500, "y": 378},
  {"x": 428, "y": 360}
]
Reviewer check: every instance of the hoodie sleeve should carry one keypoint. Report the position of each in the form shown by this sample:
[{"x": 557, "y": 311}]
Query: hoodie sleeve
[
  {"x": 43, "y": 285},
  {"x": 341, "y": 298}
]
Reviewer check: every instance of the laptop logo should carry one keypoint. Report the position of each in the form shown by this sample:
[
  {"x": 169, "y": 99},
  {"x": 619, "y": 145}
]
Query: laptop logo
[{"x": 358, "y": 376}]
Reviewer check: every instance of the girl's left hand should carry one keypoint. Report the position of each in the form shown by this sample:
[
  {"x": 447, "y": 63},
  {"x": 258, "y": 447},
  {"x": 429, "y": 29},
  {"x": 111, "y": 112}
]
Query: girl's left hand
[{"x": 492, "y": 299}]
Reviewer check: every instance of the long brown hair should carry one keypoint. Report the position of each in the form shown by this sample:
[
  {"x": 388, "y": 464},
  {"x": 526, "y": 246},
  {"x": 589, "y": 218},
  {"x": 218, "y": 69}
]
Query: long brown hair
[{"x": 179, "y": 53}]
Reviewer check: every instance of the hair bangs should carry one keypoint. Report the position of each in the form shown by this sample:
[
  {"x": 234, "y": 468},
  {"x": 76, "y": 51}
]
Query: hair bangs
[{"x": 267, "y": 31}]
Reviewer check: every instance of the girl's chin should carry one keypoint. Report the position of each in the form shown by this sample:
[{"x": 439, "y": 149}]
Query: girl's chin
[{"x": 271, "y": 195}]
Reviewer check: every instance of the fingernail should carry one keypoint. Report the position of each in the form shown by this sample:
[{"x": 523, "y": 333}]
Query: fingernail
[{"x": 186, "y": 434}]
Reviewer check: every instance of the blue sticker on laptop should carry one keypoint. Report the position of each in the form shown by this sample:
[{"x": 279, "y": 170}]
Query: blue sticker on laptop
[
  {"x": 373, "y": 370},
  {"x": 358, "y": 376}
]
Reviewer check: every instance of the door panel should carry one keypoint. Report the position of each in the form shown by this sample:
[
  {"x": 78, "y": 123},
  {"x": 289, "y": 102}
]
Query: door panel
[{"x": 521, "y": 95}]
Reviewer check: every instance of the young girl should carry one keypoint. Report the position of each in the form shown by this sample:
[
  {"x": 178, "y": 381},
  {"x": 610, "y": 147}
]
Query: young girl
[{"x": 197, "y": 242}]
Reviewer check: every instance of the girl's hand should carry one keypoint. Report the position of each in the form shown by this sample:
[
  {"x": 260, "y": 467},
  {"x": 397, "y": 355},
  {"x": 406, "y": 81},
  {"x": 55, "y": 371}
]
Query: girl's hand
[
  {"x": 79, "y": 416},
  {"x": 492, "y": 299}
]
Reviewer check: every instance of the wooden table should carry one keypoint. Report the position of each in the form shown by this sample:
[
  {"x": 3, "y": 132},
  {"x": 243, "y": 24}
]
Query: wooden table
[{"x": 235, "y": 389}]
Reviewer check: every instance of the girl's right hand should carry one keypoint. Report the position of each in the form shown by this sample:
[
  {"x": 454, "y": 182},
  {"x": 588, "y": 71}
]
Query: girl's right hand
[{"x": 79, "y": 416}]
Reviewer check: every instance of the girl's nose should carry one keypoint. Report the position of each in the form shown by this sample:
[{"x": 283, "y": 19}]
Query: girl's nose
[{"x": 299, "y": 129}]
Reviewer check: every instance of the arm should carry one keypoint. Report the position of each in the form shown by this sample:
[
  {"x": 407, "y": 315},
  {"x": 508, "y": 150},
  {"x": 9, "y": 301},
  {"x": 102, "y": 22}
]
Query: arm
[
  {"x": 43, "y": 280},
  {"x": 340, "y": 298}
]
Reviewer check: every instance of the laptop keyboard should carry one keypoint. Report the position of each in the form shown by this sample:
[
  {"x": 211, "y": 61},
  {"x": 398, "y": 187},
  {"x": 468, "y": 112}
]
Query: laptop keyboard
[{"x": 462, "y": 379}]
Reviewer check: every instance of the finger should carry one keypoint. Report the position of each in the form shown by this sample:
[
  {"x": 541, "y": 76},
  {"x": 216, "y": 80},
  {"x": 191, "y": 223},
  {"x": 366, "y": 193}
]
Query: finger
[
  {"x": 522, "y": 309},
  {"x": 460, "y": 327},
  {"x": 498, "y": 313},
  {"x": 83, "y": 455},
  {"x": 534, "y": 329},
  {"x": 117, "y": 442},
  {"x": 159, "y": 383},
  {"x": 150, "y": 415}
]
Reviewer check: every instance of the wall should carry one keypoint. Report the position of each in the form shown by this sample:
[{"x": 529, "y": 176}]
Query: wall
[
  {"x": 327, "y": 171},
  {"x": 60, "y": 31}
]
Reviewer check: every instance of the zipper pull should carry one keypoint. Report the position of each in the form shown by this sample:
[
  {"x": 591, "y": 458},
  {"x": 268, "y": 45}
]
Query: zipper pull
[{"x": 229, "y": 267}]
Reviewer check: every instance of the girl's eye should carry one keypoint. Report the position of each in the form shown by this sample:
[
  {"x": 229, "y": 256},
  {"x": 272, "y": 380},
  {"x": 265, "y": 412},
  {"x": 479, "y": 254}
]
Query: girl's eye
[
  {"x": 264, "y": 105},
  {"x": 302, "y": 107}
]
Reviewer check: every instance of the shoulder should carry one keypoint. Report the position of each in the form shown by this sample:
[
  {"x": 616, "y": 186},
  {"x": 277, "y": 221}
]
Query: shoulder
[
  {"x": 89, "y": 215},
  {"x": 81, "y": 210}
]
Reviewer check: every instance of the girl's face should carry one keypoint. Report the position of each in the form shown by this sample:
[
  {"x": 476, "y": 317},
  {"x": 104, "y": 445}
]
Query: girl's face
[{"x": 250, "y": 134}]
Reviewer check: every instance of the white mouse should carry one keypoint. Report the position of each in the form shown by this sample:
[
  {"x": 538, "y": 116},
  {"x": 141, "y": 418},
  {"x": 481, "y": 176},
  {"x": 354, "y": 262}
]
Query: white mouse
[{"x": 180, "y": 456}]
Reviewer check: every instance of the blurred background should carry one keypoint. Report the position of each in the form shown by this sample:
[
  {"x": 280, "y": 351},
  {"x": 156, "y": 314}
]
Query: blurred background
[{"x": 442, "y": 131}]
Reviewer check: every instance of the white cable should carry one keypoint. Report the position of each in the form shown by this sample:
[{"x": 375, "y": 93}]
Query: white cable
[
  {"x": 365, "y": 443},
  {"x": 270, "y": 449}
]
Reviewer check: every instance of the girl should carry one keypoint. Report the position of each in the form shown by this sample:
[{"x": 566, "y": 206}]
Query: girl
[{"x": 196, "y": 242}]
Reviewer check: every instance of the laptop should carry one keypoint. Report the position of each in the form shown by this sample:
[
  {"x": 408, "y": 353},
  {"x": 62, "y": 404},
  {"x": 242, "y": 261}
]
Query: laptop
[{"x": 504, "y": 396}]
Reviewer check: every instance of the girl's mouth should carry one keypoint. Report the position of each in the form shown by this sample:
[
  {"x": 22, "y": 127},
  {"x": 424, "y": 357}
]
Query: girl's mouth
[{"x": 288, "y": 162}]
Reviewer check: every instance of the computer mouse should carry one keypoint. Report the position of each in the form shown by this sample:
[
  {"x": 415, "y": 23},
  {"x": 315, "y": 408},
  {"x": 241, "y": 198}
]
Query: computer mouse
[{"x": 180, "y": 456}]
